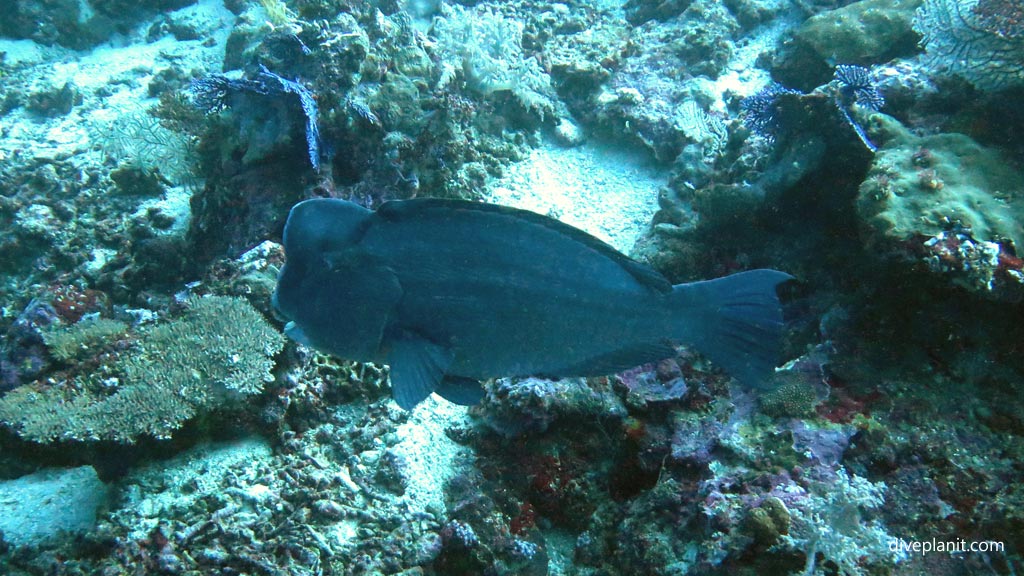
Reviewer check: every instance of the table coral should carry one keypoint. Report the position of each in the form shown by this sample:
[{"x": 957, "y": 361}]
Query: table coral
[{"x": 221, "y": 348}]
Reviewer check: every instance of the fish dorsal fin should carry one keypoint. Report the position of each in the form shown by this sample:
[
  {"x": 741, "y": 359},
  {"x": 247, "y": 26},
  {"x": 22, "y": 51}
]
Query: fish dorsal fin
[
  {"x": 417, "y": 368},
  {"x": 621, "y": 360},
  {"x": 398, "y": 210}
]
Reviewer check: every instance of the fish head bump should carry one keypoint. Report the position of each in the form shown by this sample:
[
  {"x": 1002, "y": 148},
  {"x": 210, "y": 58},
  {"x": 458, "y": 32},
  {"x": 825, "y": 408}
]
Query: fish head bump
[
  {"x": 315, "y": 229},
  {"x": 337, "y": 295}
]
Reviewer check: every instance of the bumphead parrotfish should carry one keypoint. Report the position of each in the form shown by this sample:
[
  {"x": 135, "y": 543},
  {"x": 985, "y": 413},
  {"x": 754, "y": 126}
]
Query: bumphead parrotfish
[{"x": 449, "y": 293}]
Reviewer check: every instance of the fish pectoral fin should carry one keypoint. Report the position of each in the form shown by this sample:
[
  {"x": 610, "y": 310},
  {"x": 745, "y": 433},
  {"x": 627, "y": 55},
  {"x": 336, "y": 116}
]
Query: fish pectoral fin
[
  {"x": 620, "y": 360},
  {"x": 417, "y": 368},
  {"x": 460, "y": 390}
]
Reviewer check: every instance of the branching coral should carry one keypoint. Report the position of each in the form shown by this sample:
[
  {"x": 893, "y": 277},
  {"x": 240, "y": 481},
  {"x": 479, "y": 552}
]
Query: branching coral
[
  {"x": 67, "y": 343},
  {"x": 221, "y": 348}
]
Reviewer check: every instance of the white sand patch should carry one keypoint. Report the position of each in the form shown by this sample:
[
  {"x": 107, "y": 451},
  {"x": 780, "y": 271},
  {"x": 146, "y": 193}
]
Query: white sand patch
[
  {"x": 431, "y": 458},
  {"x": 112, "y": 80},
  {"x": 18, "y": 52},
  {"x": 612, "y": 194},
  {"x": 741, "y": 76}
]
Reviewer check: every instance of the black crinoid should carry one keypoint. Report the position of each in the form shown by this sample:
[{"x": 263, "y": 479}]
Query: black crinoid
[
  {"x": 776, "y": 110},
  {"x": 215, "y": 93},
  {"x": 762, "y": 111},
  {"x": 854, "y": 86}
]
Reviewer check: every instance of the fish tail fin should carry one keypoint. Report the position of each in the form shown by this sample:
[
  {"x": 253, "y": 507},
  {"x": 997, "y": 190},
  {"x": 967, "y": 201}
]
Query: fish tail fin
[{"x": 736, "y": 321}]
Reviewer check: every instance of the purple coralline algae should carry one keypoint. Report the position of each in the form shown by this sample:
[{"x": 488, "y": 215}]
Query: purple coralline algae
[{"x": 22, "y": 349}]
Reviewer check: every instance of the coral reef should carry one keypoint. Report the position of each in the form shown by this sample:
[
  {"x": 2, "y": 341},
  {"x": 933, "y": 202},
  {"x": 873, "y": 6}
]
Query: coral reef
[
  {"x": 647, "y": 96},
  {"x": 143, "y": 144},
  {"x": 830, "y": 521},
  {"x": 815, "y": 137},
  {"x": 773, "y": 112},
  {"x": 23, "y": 354},
  {"x": 863, "y": 33},
  {"x": 946, "y": 200},
  {"x": 81, "y": 338},
  {"x": 218, "y": 92},
  {"x": 483, "y": 49},
  {"x": 78, "y": 25},
  {"x": 513, "y": 407}
]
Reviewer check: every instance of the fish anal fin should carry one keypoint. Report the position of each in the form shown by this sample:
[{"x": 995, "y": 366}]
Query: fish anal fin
[
  {"x": 417, "y": 368},
  {"x": 620, "y": 360}
]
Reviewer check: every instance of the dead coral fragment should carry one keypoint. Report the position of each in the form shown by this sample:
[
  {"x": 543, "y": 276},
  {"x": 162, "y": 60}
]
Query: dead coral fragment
[
  {"x": 280, "y": 16},
  {"x": 220, "y": 349}
]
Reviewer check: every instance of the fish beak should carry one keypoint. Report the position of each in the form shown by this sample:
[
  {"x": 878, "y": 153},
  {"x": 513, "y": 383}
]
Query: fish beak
[{"x": 292, "y": 331}]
